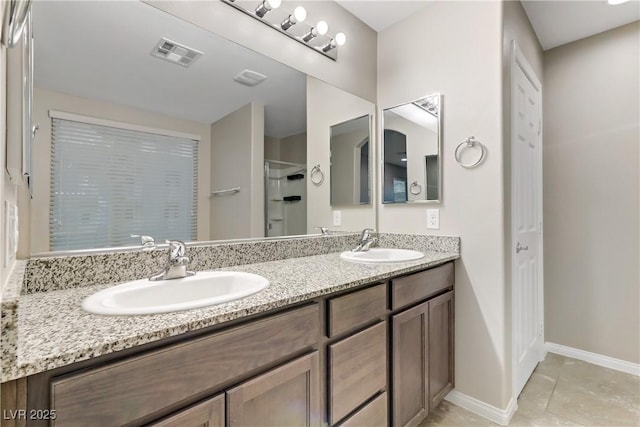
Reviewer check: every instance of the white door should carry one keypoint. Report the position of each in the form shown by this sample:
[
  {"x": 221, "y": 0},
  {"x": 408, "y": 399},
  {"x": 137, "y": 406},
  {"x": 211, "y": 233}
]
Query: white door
[{"x": 526, "y": 219}]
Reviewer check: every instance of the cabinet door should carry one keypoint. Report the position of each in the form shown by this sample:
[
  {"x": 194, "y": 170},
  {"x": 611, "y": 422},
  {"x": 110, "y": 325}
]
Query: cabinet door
[
  {"x": 410, "y": 355},
  {"x": 288, "y": 396},
  {"x": 209, "y": 413},
  {"x": 440, "y": 347},
  {"x": 357, "y": 370}
]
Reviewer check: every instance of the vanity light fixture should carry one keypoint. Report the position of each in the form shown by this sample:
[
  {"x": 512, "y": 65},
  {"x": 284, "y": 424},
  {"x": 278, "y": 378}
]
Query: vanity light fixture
[
  {"x": 339, "y": 40},
  {"x": 320, "y": 29},
  {"x": 299, "y": 15},
  {"x": 315, "y": 37},
  {"x": 616, "y": 2},
  {"x": 429, "y": 104},
  {"x": 266, "y": 6}
]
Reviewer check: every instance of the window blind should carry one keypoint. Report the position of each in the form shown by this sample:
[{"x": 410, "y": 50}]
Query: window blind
[{"x": 108, "y": 183}]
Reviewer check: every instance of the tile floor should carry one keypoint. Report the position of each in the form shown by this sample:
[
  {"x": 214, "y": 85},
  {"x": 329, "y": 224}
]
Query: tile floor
[{"x": 562, "y": 392}]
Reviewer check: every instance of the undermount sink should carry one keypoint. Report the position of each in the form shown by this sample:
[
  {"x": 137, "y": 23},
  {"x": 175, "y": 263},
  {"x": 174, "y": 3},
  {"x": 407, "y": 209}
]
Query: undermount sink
[
  {"x": 153, "y": 297},
  {"x": 382, "y": 255}
]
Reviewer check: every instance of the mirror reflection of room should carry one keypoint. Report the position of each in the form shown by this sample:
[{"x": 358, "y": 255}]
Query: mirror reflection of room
[
  {"x": 411, "y": 151},
  {"x": 163, "y": 130},
  {"x": 350, "y": 163}
]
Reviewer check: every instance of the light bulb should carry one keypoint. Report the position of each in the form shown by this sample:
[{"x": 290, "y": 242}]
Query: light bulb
[
  {"x": 300, "y": 14},
  {"x": 266, "y": 6},
  {"x": 341, "y": 39},
  {"x": 322, "y": 27},
  {"x": 331, "y": 45}
]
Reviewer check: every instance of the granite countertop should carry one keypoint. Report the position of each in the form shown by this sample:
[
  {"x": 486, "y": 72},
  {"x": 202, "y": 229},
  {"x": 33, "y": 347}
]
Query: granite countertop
[{"x": 54, "y": 331}]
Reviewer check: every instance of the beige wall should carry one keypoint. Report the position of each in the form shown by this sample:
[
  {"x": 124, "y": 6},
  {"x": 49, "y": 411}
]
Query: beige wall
[
  {"x": 456, "y": 48},
  {"x": 345, "y": 167},
  {"x": 271, "y": 148},
  {"x": 591, "y": 193},
  {"x": 355, "y": 70},
  {"x": 293, "y": 148},
  {"x": 327, "y": 106},
  {"x": 237, "y": 160},
  {"x": 35, "y": 238}
]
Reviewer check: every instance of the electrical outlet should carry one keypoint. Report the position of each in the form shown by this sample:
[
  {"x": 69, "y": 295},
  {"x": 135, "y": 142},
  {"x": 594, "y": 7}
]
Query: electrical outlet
[
  {"x": 337, "y": 218},
  {"x": 433, "y": 219}
]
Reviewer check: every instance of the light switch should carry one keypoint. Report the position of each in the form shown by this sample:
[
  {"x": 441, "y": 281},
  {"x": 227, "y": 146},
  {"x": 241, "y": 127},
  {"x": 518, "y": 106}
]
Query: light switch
[
  {"x": 433, "y": 219},
  {"x": 337, "y": 218}
]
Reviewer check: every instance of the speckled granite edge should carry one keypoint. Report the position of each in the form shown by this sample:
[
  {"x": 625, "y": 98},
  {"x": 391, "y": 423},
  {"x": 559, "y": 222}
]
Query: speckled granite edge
[
  {"x": 420, "y": 242},
  {"x": 65, "y": 272},
  {"x": 9, "y": 316},
  {"x": 40, "y": 275},
  {"x": 70, "y": 335}
]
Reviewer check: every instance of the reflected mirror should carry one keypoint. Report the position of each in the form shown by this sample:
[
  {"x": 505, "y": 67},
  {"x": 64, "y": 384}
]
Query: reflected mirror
[
  {"x": 351, "y": 162},
  {"x": 151, "y": 126},
  {"x": 412, "y": 146}
]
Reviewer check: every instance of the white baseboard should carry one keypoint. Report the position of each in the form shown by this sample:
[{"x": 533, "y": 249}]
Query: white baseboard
[
  {"x": 595, "y": 358},
  {"x": 500, "y": 416}
]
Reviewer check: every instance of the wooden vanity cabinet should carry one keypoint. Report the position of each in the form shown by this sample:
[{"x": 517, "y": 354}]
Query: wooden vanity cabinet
[
  {"x": 422, "y": 343},
  {"x": 209, "y": 413},
  {"x": 441, "y": 326},
  {"x": 410, "y": 354},
  {"x": 285, "y": 396},
  {"x": 379, "y": 355}
]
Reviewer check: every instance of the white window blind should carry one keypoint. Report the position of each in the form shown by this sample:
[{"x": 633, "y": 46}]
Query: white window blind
[{"x": 108, "y": 183}]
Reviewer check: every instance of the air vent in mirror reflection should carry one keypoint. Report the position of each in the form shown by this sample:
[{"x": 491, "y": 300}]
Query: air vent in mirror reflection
[{"x": 175, "y": 52}]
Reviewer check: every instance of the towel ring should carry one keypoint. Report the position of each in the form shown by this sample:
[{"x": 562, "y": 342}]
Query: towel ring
[
  {"x": 316, "y": 175},
  {"x": 470, "y": 143},
  {"x": 415, "y": 188}
]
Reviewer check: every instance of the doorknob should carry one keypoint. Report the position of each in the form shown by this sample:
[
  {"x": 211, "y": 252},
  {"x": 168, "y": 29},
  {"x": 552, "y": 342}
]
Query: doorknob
[{"x": 519, "y": 248}]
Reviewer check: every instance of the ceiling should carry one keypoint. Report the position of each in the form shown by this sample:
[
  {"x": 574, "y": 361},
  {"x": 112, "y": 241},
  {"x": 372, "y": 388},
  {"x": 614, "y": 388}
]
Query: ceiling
[
  {"x": 560, "y": 22},
  {"x": 380, "y": 14},
  {"x": 555, "y": 22},
  {"x": 98, "y": 50},
  {"x": 110, "y": 61}
]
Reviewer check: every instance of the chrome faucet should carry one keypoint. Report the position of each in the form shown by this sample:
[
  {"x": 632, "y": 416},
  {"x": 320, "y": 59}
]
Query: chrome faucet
[
  {"x": 147, "y": 242},
  {"x": 367, "y": 239},
  {"x": 323, "y": 231},
  {"x": 176, "y": 267}
]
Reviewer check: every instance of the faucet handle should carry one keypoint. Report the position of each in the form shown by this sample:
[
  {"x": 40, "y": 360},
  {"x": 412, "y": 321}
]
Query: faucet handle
[
  {"x": 323, "y": 230},
  {"x": 177, "y": 250},
  {"x": 145, "y": 241},
  {"x": 366, "y": 233}
]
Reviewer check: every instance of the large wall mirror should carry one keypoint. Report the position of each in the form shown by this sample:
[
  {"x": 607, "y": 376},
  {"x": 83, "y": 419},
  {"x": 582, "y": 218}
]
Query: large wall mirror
[
  {"x": 151, "y": 126},
  {"x": 351, "y": 162},
  {"x": 412, "y": 149}
]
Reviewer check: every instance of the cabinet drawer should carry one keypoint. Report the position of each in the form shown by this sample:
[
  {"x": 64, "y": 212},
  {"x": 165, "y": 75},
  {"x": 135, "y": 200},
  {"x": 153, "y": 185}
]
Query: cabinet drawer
[
  {"x": 358, "y": 370},
  {"x": 372, "y": 415},
  {"x": 146, "y": 384},
  {"x": 349, "y": 311},
  {"x": 415, "y": 287}
]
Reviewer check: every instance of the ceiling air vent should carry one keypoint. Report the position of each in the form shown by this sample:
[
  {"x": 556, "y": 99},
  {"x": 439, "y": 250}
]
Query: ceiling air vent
[
  {"x": 249, "y": 78},
  {"x": 175, "y": 52}
]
